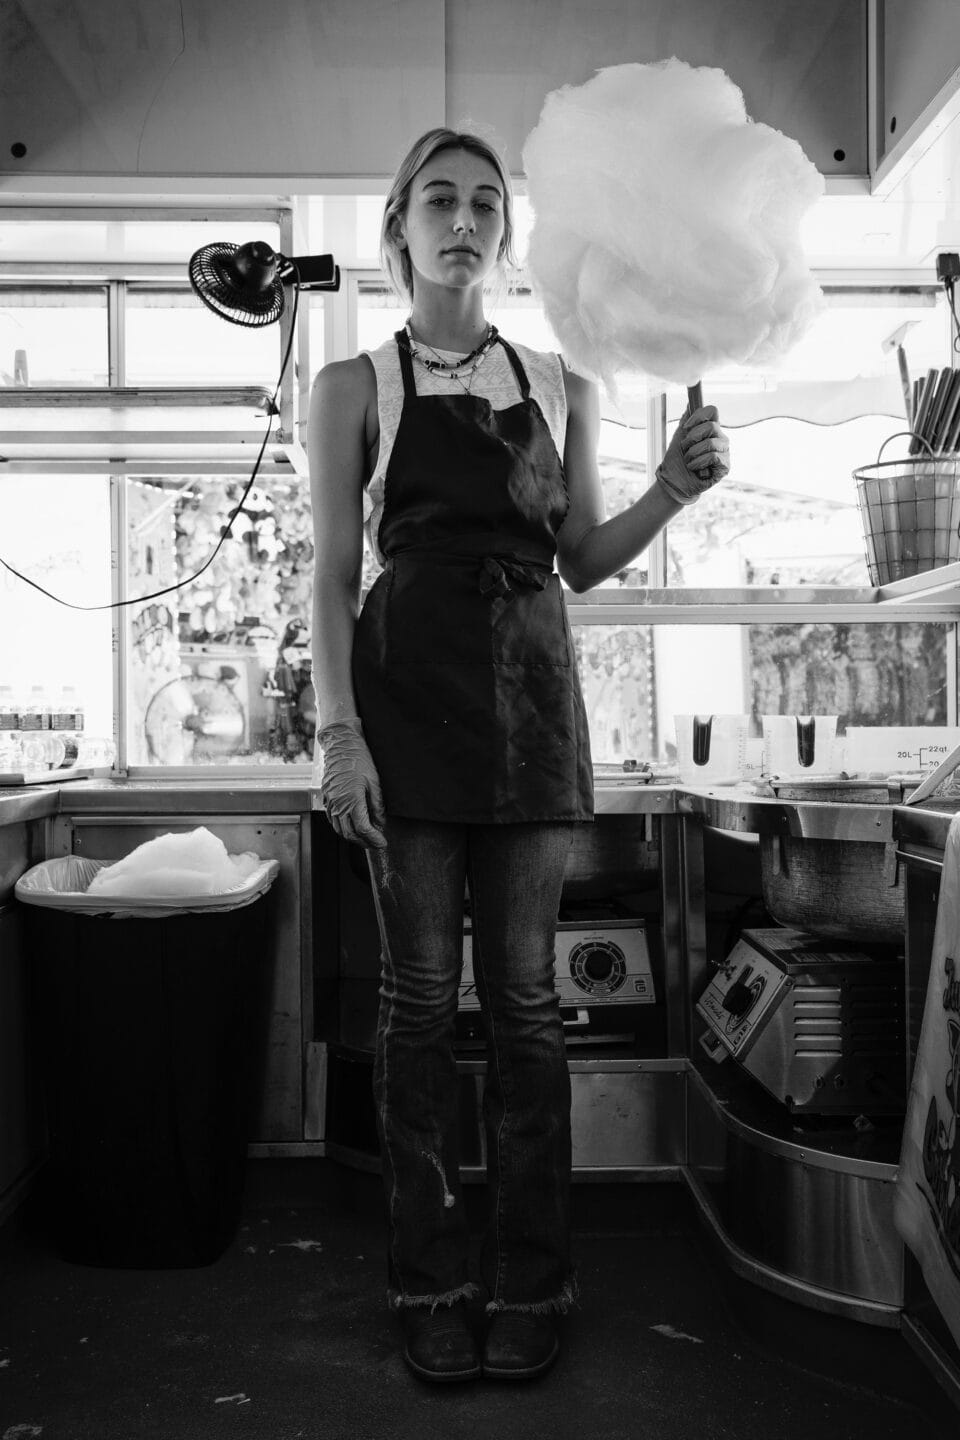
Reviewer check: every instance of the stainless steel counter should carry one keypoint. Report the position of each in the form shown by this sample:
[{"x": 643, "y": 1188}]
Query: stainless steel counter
[
  {"x": 742, "y": 809},
  {"x": 249, "y": 795},
  {"x": 246, "y": 794},
  {"x": 732, "y": 808},
  {"x": 23, "y": 803},
  {"x": 922, "y": 829}
]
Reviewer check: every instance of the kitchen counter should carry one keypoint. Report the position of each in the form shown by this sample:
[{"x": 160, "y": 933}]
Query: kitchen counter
[
  {"x": 732, "y": 808},
  {"x": 275, "y": 794}
]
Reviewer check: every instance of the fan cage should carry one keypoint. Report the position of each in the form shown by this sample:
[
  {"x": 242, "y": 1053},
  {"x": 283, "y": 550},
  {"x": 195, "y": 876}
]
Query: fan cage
[{"x": 211, "y": 281}]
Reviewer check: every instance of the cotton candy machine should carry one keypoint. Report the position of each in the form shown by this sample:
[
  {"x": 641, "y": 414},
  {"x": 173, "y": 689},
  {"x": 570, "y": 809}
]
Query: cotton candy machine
[
  {"x": 844, "y": 886},
  {"x": 819, "y": 1024},
  {"x": 837, "y": 888}
]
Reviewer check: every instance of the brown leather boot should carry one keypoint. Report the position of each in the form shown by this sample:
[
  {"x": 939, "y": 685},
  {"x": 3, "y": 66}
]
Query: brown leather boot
[
  {"x": 520, "y": 1345},
  {"x": 438, "y": 1344}
]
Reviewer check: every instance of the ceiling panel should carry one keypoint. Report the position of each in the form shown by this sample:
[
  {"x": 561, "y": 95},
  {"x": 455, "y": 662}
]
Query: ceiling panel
[
  {"x": 216, "y": 87},
  {"x": 801, "y": 67}
]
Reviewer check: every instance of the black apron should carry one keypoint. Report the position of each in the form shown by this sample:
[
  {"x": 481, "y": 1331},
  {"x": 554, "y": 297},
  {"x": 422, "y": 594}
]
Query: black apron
[{"x": 463, "y": 662}]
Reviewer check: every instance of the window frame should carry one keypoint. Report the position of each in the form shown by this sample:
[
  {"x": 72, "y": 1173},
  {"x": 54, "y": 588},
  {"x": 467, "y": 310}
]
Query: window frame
[{"x": 919, "y": 600}]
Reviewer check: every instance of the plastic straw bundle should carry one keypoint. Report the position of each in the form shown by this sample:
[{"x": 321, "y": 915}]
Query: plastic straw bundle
[
  {"x": 936, "y": 412},
  {"x": 665, "y": 236}
]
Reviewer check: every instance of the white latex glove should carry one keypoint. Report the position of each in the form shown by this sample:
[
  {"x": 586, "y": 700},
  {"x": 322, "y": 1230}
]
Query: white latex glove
[
  {"x": 697, "y": 457},
  {"x": 349, "y": 784}
]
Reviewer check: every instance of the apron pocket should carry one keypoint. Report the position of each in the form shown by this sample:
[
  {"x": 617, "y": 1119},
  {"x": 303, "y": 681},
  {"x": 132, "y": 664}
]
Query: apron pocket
[
  {"x": 530, "y": 628},
  {"x": 436, "y": 614}
]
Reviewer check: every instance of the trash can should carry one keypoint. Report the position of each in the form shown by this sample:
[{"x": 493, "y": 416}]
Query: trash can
[{"x": 144, "y": 1018}]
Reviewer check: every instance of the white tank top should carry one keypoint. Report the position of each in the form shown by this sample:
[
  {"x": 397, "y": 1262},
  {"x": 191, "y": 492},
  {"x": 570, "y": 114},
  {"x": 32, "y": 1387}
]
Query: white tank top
[{"x": 495, "y": 381}]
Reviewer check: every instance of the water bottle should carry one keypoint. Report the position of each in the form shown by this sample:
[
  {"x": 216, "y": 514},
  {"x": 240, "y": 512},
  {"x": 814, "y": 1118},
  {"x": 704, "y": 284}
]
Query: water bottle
[
  {"x": 10, "y": 756},
  {"x": 33, "y": 710},
  {"x": 66, "y": 723},
  {"x": 33, "y": 746},
  {"x": 95, "y": 752},
  {"x": 41, "y": 747}
]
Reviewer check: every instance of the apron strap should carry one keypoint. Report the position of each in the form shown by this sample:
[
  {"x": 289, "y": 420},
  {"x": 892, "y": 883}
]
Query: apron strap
[
  {"x": 406, "y": 366},
  {"x": 518, "y": 369}
]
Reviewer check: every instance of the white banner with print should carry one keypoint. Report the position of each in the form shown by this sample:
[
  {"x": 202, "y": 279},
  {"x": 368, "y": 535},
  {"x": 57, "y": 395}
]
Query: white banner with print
[{"x": 927, "y": 1196}]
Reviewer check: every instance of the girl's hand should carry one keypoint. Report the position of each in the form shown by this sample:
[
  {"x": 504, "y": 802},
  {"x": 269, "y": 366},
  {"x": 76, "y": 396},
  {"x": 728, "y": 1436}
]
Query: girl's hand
[
  {"x": 350, "y": 785},
  {"x": 697, "y": 457}
]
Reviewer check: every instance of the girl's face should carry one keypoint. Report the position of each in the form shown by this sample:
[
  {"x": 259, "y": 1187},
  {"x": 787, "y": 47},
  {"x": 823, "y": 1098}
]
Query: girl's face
[{"x": 453, "y": 224}]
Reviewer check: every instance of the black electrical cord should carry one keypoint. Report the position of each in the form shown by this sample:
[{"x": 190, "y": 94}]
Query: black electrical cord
[{"x": 139, "y": 599}]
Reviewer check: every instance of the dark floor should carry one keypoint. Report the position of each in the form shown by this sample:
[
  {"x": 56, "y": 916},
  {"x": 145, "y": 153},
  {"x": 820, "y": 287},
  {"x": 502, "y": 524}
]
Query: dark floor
[{"x": 287, "y": 1335}]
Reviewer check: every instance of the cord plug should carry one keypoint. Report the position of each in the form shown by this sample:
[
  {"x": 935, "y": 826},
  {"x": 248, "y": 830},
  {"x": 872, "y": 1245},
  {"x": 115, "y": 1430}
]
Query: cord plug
[{"x": 948, "y": 267}]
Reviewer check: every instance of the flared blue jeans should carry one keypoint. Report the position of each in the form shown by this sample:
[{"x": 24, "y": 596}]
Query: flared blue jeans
[{"x": 515, "y": 874}]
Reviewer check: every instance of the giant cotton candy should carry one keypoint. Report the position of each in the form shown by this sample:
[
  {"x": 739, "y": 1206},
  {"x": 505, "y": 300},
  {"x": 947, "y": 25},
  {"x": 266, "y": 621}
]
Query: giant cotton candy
[{"x": 666, "y": 224}]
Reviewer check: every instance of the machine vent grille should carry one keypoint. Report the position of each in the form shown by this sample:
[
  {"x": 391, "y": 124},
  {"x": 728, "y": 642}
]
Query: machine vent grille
[{"x": 859, "y": 1019}]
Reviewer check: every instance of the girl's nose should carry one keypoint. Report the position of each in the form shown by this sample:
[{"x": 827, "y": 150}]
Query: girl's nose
[{"x": 463, "y": 220}]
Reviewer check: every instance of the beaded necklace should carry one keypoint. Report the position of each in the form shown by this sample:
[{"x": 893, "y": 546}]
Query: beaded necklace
[{"x": 453, "y": 369}]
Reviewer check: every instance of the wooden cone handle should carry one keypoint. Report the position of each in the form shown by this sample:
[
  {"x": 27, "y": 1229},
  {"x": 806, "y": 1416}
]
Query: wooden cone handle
[{"x": 695, "y": 401}]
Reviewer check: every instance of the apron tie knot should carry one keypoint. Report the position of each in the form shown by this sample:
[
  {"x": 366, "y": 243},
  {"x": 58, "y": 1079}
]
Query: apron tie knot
[{"x": 496, "y": 575}]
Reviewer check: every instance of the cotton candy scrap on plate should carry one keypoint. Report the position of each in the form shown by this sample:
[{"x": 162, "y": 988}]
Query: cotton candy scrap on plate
[
  {"x": 196, "y": 863},
  {"x": 666, "y": 225}
]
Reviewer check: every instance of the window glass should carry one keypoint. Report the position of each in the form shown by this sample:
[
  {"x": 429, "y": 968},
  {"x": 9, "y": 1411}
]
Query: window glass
[
  {"x": 53, "y": 335},
  {"x": 788, "y": 513},
  {"x": 220, "y": 670},
  {"x": 172, "y": 338},
  {"x": 313, "y": 312},
  {"x": 796, "y": 523},
  {"x": 46, "y": 645},
  {"x": 369, "y": 221},
  {"x": 636, "y": 678},
  {"x": 380, "y": 313}
]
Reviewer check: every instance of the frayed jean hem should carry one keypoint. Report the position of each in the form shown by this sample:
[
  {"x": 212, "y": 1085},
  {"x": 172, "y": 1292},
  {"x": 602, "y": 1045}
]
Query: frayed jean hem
[
  {"x": 559, "y": 1305},
  {"x": 397, "y": 1300}
]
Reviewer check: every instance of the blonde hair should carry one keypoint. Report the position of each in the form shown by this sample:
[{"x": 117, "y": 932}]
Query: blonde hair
[{"x": 396, "y": 261}]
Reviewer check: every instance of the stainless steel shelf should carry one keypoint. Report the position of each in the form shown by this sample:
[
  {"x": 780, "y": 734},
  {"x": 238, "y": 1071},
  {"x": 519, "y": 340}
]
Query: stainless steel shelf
[
  {"x": 741, "y": 810},
  {"x": 125, "y": 397},
  {"x": 934, "y": 595}
]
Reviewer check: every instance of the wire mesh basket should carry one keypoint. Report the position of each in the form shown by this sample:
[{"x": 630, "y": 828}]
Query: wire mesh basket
[{"x": 911, "y": 513}]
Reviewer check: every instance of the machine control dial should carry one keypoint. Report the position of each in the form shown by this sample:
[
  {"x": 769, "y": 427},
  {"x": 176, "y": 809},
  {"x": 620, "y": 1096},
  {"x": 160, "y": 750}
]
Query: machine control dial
[
  {"x": 598, "y": 966},
  {"x": 740, "y": 994}
]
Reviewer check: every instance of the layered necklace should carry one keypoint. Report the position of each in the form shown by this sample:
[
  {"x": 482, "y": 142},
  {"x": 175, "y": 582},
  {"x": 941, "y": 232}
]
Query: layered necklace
[{"x": 458, "y": 370}]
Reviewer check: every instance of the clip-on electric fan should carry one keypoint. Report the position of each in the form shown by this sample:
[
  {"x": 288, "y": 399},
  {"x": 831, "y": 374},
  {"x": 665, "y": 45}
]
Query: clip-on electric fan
[{"x": 244, "y": 283}]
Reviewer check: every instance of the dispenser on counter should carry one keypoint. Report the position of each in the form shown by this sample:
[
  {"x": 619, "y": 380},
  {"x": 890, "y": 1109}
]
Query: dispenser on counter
[
  {"x": 801, "y": 745},
  {"x": 712, "y": 749}
]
